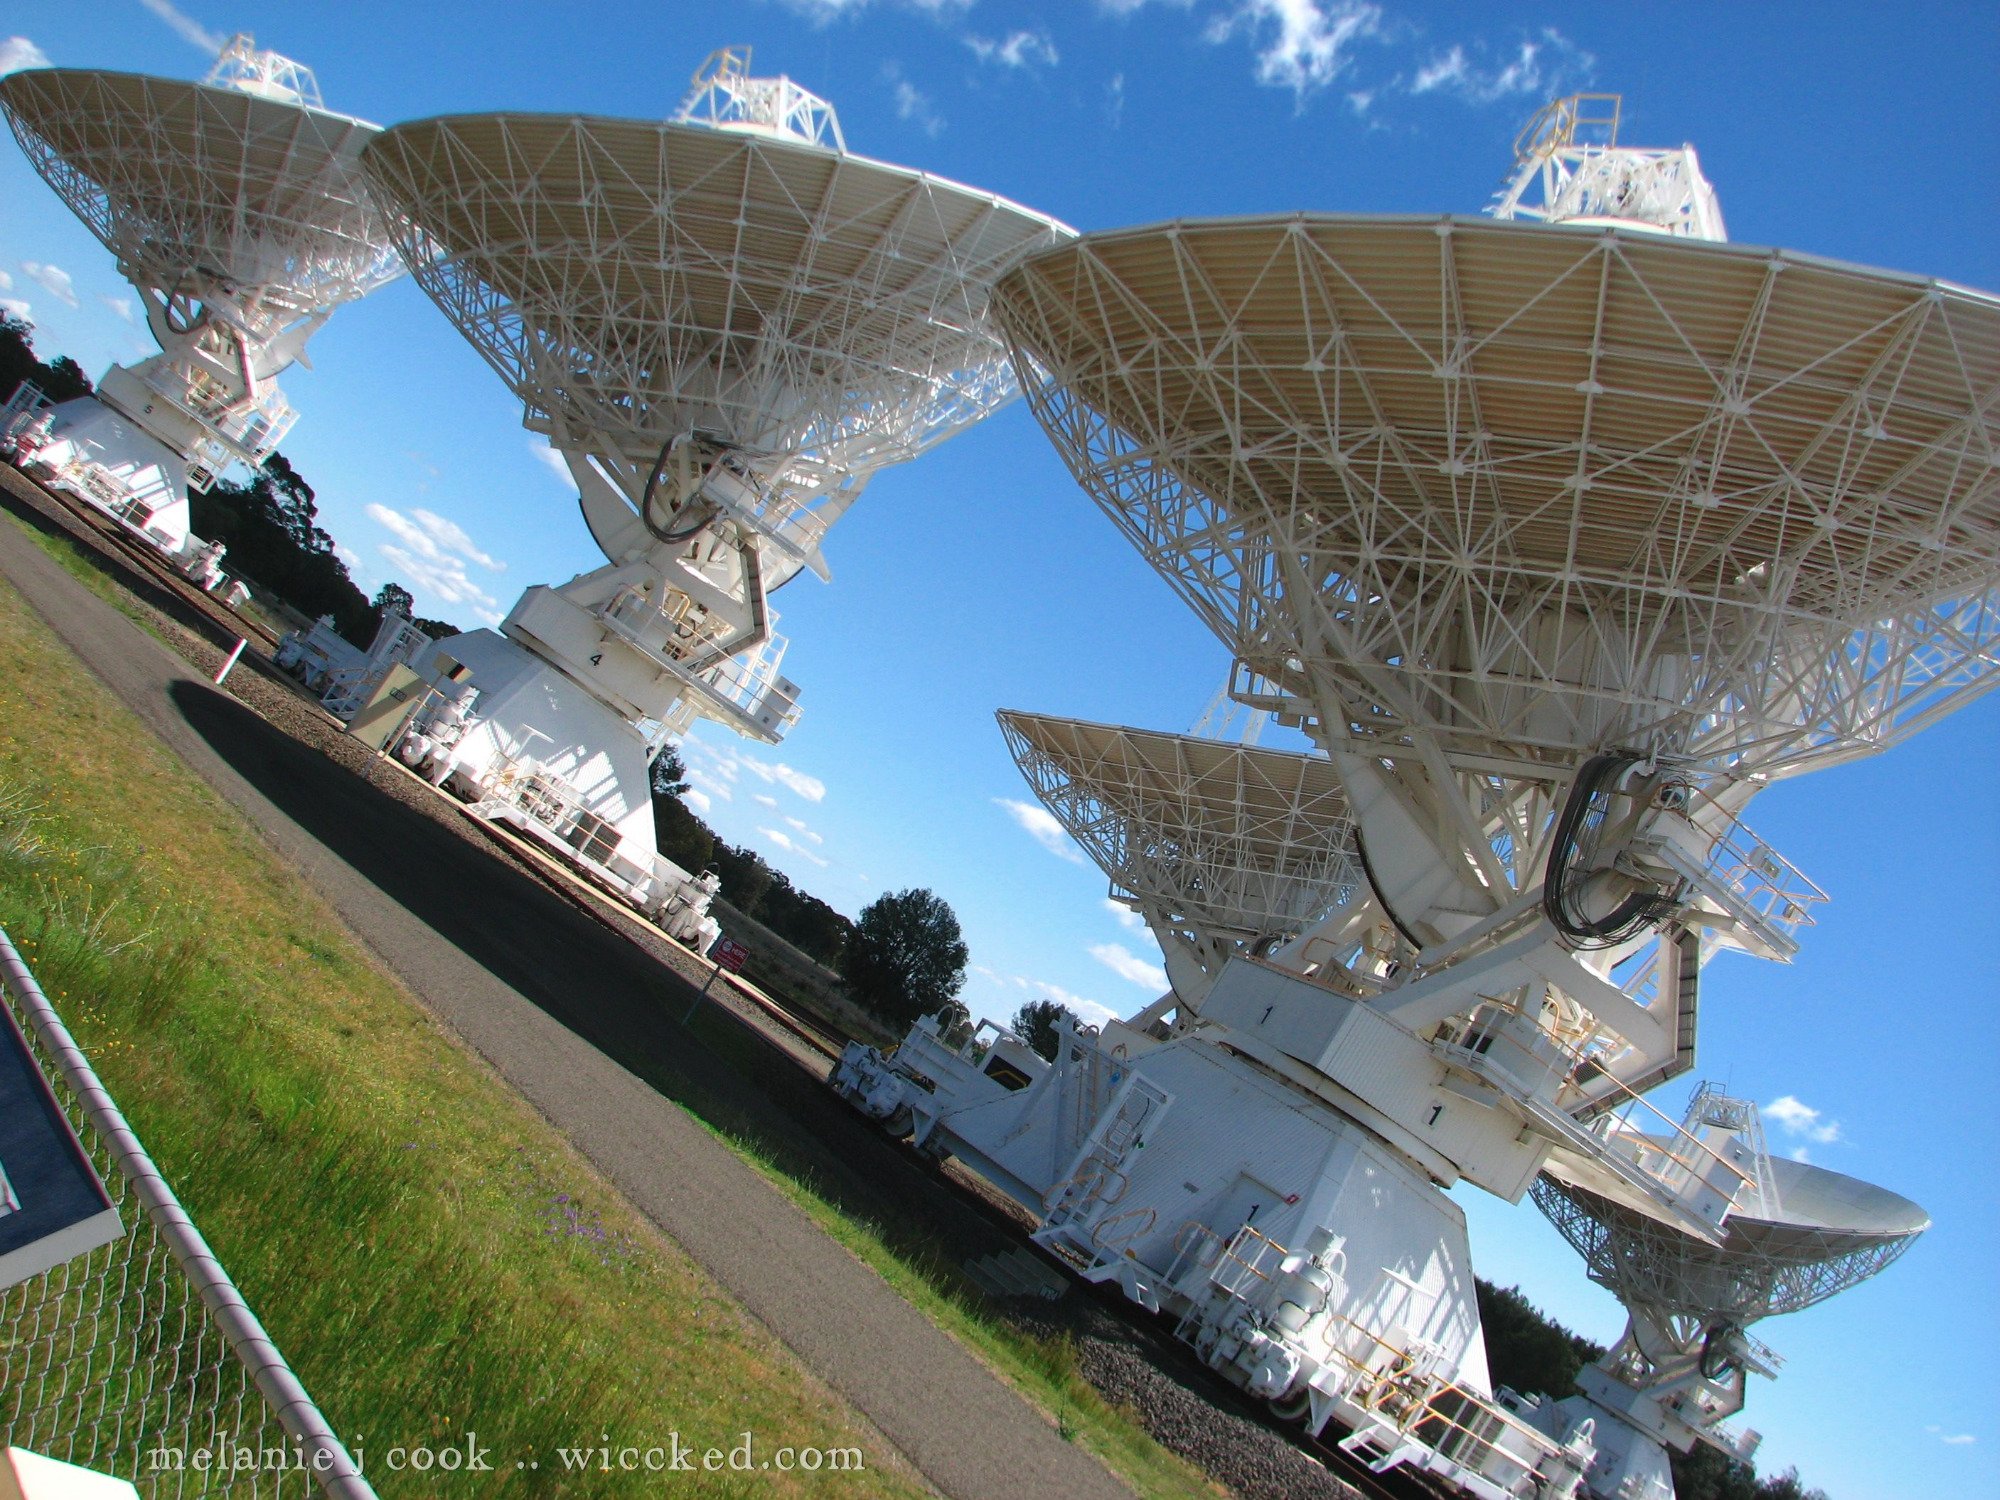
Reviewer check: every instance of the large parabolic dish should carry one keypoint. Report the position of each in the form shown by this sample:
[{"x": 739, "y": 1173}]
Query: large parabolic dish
[
  {"x": 1536, "y": 490},
  {"x": 237, "y": 209},
  {"x": 815, "y": 314},
  {"x": 1225, "y": 841}
]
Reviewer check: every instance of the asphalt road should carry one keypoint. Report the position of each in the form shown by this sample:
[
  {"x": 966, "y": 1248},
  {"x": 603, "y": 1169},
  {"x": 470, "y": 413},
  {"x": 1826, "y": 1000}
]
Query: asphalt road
[{"x": 586, "y": 1027}]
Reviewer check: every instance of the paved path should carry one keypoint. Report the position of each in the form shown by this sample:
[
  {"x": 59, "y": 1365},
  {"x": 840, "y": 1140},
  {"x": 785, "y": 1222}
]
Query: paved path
[{"x": 476, "y": 941}]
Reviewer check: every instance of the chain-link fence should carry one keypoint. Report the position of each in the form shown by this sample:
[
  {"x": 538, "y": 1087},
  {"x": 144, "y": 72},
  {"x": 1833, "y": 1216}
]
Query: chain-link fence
[{"x": 141, "y": 1359}]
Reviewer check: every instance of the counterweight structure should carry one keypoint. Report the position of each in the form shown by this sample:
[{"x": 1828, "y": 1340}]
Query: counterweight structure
[
  {"x": 725, "y": 324},
  {"x": 237, "y": 210},
  {"x": 1560, "y": 540}
]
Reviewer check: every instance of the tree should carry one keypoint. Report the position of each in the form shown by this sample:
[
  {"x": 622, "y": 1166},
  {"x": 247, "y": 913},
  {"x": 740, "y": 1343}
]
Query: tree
[
  {"x": 393, "y": 596},
  {"x": 669, "y": 773},
  {"x": 905, "y": 957},
  {"x": 1035, "y": 1023},
  {"x": 62, "y": 379}
]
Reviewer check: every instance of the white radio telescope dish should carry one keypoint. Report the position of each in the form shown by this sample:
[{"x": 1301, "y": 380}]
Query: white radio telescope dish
[
  {"x": 237, "y": 210},
  {"x": 730, "y": 285},
  {"x": 1220, "y": 846}
]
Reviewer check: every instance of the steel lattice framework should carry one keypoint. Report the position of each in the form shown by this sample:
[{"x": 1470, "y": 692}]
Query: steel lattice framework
[
  {"x": 817, "y": 313},
  {"x": 1762, "y": 1268},
  {"x": 209, "y": 192},
  {"x": 1228, "y": 842},
  {"x": 1535, "y": 490}
]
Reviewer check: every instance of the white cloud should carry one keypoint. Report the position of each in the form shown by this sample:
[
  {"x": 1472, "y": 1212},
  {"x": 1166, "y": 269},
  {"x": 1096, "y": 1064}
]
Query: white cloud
[
  {"x": 766, "y": 799},
  {"x": 1128, "y": 919},
  {"x": 1128, "y": 965},
  {"x": 1537, "y": 67},
  {"x": 1441, "y": 72},
  {"x": 1114, "y": 100},
  {"x": 14, "y": 307},
  {"x": 710, "y": 784},
  {"x": 797, "y": 782},
  {"x": 1312, "y": 40},
  {"x": 450, "y": 536},
  {"x": 696, "y": 798},
  {"x": 551, "y": 460},
  {"x": 433, "y": 537},
  {"x": 17, "y": 52},
  {"x": 798, "y": 825},
  {"x": 1802, "y": 1121},
  {"x": 448, "y": 580},
  {"x": 122, "y": 306},
  {"x": 52, "y": 279},
  {"x": 188, "y": 30},
  {"x": 1090, "y": 1012},
  {"x": 1019, "y": 49},
  {"x": 1956, "y": 1439},
  {"x": 731, "y": 764},
  {"x": 825, "y": 12},
  {"x": 1040, "y": 823},
  {"x": 786, "y": 841},
  {"x": 914, "y": 105}
]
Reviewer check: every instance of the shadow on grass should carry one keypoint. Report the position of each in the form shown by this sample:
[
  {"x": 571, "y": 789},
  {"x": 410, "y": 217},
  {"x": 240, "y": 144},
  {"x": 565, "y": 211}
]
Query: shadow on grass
[{"x": 602, "y": 987}]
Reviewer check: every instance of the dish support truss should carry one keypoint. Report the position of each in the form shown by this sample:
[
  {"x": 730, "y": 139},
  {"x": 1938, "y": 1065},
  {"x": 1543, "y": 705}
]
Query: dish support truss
[
  {"x": 1221, "y": 848},
  {"x": 723, "y": 361},
  {"x": 1560, "y": 542},
  {"x": 1464, "y": 559},
  {"x": 1682, "y": 1366},
  {"x": 237, "y": 212}
]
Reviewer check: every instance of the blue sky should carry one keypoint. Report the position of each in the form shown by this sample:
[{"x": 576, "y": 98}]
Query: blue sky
[{"x": 980, "y": 578}]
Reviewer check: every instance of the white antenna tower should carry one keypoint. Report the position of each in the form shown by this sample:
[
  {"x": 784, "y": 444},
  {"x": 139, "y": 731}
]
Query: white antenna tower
[
  {"x": 245, "y": 67},
  {"x": 726, "y": 97},
  {"x": 1571, "y": 170},
  {"x": 725, "y": 324},
  {"x": 1560, "y": 540},
  {"x": 236, "y": 209}
]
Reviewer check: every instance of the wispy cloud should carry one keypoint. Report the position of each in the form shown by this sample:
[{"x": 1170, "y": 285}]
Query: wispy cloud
[
  {"x": 730, "y": 766},
  {"x": 1537, "y": 66},
  {"x": 1040, "y": 823},
  {"x": 17, "y": 52},
  {"x": 785, "y": 841},
  {"x": 914, "y": 105},
  {"x": 1301, "y": 45},
  {"x": 1018, "y": 49},
  {"x": 1955, "y": 1439},
  {"x": 1802, "y": 1122},
  {"x": 551, "y": 460},
  {"x": 184, "y": 27},
  {"x": 433, "y": 556},
  {"x": 14, "y": 307},
  {"x": 1128, "y": 965},
  {"x": 798, "y": 825},
  {"x": 1127, "y": 918},
  {"x": 1114, "y": 100},
  {"x": 122, "y": 306},
  {"x": 826, "y": 12},
  {"x": 696, "y": 798},
  {"x": 52, "y": 279}
]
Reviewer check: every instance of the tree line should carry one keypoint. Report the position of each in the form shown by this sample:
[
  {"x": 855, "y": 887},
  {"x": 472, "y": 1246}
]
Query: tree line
[{"x": 268, "y": 521}]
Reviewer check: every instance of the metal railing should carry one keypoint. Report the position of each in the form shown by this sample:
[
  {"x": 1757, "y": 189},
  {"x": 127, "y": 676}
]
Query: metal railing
[{"x": 145, "y": 1347}]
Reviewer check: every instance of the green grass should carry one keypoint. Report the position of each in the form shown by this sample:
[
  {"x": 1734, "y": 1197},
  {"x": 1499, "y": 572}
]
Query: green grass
[
  {"x": 1043, "y": 1369},
  {"x": 421, "y": 1137},
  {"x": 431, "y": 1255}
]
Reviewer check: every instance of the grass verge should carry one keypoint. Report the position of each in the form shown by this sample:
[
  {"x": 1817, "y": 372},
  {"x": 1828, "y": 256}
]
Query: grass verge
[
  {"x": 431, "y": 1255},
  {"x": 1042, "y": 1370}
]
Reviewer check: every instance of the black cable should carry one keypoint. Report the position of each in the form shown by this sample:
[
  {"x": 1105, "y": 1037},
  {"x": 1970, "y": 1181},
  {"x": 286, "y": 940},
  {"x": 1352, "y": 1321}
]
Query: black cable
[
  {"x": 1637, "y": 911},
  {"x": 1375, "y": 887}
]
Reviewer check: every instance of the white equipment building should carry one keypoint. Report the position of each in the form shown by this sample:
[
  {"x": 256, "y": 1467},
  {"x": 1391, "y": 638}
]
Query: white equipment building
[
  {"x": 724, "y": 324},
  {"x": 1560, "y": 540},
  {"x": 237, "y": 210}
]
